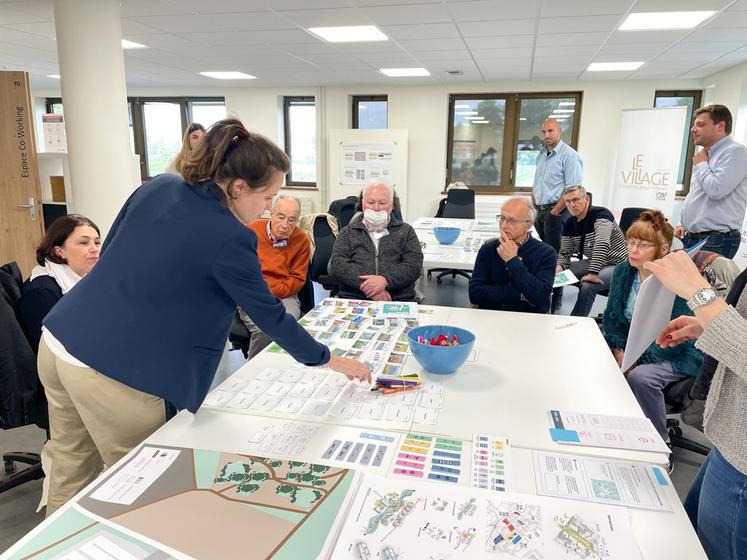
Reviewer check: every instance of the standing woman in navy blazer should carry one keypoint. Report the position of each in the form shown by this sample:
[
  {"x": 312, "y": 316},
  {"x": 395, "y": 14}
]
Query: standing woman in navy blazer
[{"x": 146, "y": 328}]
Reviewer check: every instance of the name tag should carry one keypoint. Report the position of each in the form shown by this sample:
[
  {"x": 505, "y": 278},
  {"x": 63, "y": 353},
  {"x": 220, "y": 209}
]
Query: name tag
[{"x": 280, "y": 244}]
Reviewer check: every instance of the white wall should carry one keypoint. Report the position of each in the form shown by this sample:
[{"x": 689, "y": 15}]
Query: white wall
[{"x": 423, "y": 110}]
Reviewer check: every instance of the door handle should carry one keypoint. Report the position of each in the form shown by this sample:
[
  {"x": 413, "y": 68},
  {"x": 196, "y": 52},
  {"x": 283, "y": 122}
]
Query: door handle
[{"x": 31, "y": 206}]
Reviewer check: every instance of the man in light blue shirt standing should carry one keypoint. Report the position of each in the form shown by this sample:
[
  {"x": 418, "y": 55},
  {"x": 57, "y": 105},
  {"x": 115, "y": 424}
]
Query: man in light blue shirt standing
[
  {"x": 715, "y": 206},
  {"x": 558, "y": 167}
]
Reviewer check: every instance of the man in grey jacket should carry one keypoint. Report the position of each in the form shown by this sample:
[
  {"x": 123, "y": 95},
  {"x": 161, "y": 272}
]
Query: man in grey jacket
[{"x": 376, "y": 256}]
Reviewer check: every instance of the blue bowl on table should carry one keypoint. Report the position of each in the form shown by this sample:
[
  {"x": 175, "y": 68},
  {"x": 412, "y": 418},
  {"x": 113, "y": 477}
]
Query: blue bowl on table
[
  {"x": 446, "y": 235},
  {"x": 440, "y": 359}
]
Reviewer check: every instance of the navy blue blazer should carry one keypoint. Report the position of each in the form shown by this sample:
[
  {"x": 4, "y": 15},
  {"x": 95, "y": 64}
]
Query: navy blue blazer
[{"x": 156, "y": 310}]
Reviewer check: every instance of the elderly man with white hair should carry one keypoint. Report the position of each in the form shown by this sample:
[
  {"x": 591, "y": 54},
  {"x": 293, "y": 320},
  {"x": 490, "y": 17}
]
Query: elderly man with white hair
[
  {"x": 514, "y": 272},
  {"x": 377, "y": 256},
  {"x": 284, "y": 252}
]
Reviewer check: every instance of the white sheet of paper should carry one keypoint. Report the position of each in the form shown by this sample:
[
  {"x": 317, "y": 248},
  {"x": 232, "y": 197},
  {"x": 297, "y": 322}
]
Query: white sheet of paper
[
  {"x": 316, "y": 407},
  {"x": 652, "y": 312},
  {"x": 241, "y": 401},
  {"x": 256, "y": 387},
  {"x": 371, "y": 411},
  {"x": 128, "y": 483},
  {"x": 398, "y": 412},
  {"x": 290, "y": 405},
  {"x": 616, "y": 432},
  {"x": 426, "y": 416},
  {"x": 602, "y": 481},
  {"x": 432, "y": 400},
  {"x": 265, "y": 403},
  {"x": 268, "y": 374},
  {"x": 343, "y": 409},
  {"x": 102, "y": 548},
  {"x": 218, "y": 398}
]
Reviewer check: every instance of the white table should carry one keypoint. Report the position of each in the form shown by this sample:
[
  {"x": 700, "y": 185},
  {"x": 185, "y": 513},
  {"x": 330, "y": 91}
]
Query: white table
[
  {"x": 526, "y": 364},
  {"x": 659, "y": 534},
  {"x": 463, "y": 252}
]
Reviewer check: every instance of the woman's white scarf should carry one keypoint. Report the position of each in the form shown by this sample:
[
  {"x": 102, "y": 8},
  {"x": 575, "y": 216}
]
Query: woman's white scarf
[{"x": 65, "y": 276}]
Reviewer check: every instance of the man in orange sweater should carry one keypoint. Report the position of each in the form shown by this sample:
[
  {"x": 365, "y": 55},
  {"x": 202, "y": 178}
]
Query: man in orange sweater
[{"x": 284, "y": 252}]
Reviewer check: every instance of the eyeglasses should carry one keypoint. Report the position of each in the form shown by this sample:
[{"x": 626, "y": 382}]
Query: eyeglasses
[
  {"x": 511, "y": 221},
  {"x": 574, "y": 201},
  {"x": 641, "y": 246}
]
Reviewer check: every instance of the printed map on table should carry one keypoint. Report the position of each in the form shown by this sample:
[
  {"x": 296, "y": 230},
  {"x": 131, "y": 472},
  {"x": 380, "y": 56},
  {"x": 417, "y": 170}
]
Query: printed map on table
[
  {"x": 391, "y": 518},
  {"x": 75, "y": 536},
  {"x": 210, "y": 504}
]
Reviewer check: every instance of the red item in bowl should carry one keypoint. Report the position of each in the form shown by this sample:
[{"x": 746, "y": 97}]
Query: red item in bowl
[{"x": 442, "y": 340}]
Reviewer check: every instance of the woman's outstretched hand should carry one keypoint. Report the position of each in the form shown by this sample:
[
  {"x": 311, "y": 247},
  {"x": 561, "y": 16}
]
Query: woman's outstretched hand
[{"x": 352, "y": 369}]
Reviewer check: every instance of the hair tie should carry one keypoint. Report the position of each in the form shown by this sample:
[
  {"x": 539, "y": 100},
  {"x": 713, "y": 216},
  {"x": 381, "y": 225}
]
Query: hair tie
[{"x": 243, "y": 133}]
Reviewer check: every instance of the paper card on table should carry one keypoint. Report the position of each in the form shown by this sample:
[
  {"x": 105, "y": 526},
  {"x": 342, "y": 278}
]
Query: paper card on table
[
  {"x": 600, "y": 430},
  {"x": 290, "y": 405},
  {"x": 335, "y": 379},
  {"x": 398, "y": 413},
  {"x": 301, "y": 391},
  {"x": 604, "y": 481},
  {"x": 313, "y": 377},
  {"x": 652, "y": 312},
  {"x": 370, "y": 411},
  {"x": 291, "y": 375},
  {"x": 405, "y": 397},
  {"x": 278, "y": 389},
  {"x": 218, "y": 398},
  {"x": 242, "y": 400},
  {"x": 427, "y": 416},
  {"x": 233, "y": 385},
  {"x": 433, "y": 386},
  {"x": 432, "y": 400},
  {"x": 265, "y": 403},
  {"x": 268, "y": 374},
  {"x": 316, "y": 407},
  {"x": 256, "y": 387},
  {"x": 326, "y": 392},
  {"x": 343, "y": 409},
  {"x": 130, "y": 481},
  {"x": 491, "y": 462}
]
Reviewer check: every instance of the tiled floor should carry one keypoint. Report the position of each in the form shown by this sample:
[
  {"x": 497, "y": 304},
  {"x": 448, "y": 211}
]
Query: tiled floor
[{"x": 17, "y": 506}]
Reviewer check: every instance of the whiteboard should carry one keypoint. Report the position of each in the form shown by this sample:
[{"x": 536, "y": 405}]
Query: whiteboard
[{"x": 396, "y": 138}]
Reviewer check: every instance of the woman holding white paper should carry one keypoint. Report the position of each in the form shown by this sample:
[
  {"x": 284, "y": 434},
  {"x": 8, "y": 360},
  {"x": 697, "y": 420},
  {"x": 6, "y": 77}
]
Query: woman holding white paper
[
  {"x": 649, "y": 238},
  {"x": 717, "y": 501}
]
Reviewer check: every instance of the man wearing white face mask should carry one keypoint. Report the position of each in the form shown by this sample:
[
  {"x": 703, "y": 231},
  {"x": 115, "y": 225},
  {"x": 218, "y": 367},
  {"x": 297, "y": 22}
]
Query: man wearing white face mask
[{"x": 377, "y": 256}]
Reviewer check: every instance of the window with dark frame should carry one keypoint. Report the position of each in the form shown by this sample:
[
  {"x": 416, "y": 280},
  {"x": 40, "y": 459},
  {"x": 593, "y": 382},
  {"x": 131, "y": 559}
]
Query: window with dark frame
[
  {"x": 370, "y": 111},
  {"x": 299, "y": 123},
  {"x": 164, "y": 119},
  {"x": 494, "y": 139},
  {"x": 692, "y": 100}
]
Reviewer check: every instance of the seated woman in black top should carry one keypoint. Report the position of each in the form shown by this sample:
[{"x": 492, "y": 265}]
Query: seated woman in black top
[{"x": 68, "y": 252}]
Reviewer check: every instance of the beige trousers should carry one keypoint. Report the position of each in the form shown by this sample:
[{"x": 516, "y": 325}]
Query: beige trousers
[{"x": 93, "y": 421}]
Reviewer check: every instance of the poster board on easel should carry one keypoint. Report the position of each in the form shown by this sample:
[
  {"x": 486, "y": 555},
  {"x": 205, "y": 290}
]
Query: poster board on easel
[{"x": 360, "y": 156}]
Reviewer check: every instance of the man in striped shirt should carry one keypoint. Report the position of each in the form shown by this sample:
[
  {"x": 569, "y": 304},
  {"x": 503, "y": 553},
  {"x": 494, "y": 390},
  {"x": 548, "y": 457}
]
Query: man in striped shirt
[{"x": 591, "y": 236}]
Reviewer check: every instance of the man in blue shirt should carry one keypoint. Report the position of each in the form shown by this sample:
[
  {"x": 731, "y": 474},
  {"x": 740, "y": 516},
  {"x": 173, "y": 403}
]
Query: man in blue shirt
[
  {"x": 558, "y": 167},
  {"x": 715, "y": 206}
]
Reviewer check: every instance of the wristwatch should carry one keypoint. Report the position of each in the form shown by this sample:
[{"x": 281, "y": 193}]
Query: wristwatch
[{"x": 703, "y": 296}]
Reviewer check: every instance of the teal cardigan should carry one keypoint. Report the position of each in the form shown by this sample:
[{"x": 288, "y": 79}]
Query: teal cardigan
[{"x": 685, "y": 358}]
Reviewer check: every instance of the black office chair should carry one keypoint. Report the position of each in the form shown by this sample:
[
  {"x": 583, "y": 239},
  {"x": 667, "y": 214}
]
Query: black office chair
[
  {"x": 459, "y": 203},
  {"x": 674, "y": 396},
  {"x": 628, "y": 216},
  {"x": 22, "y": 399},
  {"x": 324, "y": 241},
  {"x": 343, "y": 209}
]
